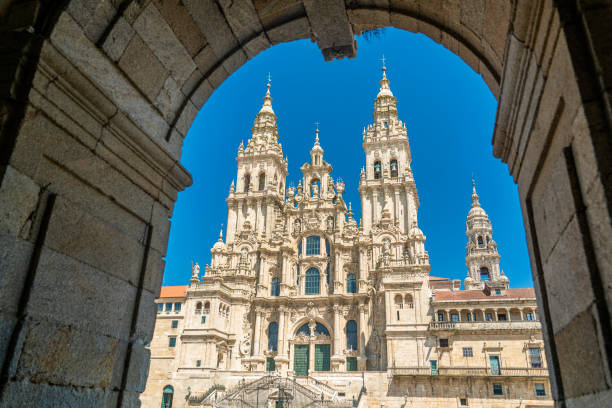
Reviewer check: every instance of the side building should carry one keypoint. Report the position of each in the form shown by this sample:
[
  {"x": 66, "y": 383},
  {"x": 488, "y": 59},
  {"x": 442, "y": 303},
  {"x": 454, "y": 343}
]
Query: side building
[{"x": 302, "y": 306}]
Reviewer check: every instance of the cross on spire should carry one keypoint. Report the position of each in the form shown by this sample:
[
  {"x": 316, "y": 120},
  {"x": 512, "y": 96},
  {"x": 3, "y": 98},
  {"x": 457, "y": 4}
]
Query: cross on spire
[
  {"x": 269, "y": 78},
  {"x": 317, "y": 124},
  {"x": 383, "y": 59}
]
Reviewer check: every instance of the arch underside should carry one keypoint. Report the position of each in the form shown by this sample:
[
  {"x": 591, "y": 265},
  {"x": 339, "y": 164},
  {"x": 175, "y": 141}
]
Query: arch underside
[{"x": 100, "y": 96}]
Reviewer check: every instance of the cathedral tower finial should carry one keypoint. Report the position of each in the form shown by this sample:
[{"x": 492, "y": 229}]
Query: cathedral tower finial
[{"x": 475, "y": 202}]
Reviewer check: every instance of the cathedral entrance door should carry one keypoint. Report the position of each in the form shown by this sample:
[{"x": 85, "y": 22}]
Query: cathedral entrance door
[
  {"x": 300, "y": 359},
  {"x": 321, "y": 357}
]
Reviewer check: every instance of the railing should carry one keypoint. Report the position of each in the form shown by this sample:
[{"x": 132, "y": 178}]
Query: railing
[
  {"x": 487, "y": 325},
  {"x": 471, "y": 371},
  {"x": 199, "y": 397},
  {"x": 358, "y": 400}
]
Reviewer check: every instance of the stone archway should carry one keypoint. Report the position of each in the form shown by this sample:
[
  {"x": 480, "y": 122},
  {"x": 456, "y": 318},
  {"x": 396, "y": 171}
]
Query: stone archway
[{"x": 96, "y": 98}]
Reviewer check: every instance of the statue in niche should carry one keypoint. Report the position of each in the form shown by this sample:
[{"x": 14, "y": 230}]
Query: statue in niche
[
  {"x": 297, "y": 226},
  {"x": 315, "y": 190},
  {"x": 330, "y": 223},
  {"x": 244, "y": 256}
]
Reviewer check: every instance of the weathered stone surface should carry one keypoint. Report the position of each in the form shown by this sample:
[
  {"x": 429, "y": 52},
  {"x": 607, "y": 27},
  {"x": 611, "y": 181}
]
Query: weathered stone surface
[
  {"x": 601, "y": 399},
  {"x": 14, "y": 261},
  {"x": 139, "y": 63},
  {"x": 187, "y": 115},
  {"x": 23, "y": 394},
  {"x": 234, "y": 61},
  {"x": 169, "y": 99},
  {"x": 92, "y": 15},
  {"x": 581, "y": 367},
  {"x": 212, "y": 23},
  {"x": 118, "y": 39},
  {"x": 242, "y": 18},
  {"x": 69, "y": 38},
  {"x": 256, "y": 45},
  {"x": 331, "y": 28},
  {"x": 84, "y": 289},
  {"x": 161, "y": 40},
  {"x": 201, "y": 95},
  {"x": 290, "y": 31},
  {"x": 18, "y": 200},
  {"x": 63, "y": 355},
  {"x": 179, "y": 19},
  {"x": 206, "y": 59}
]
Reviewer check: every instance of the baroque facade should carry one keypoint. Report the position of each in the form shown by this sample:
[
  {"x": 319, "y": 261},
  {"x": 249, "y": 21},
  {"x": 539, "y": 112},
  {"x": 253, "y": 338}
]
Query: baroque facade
[{"x": 301, "y": 300}]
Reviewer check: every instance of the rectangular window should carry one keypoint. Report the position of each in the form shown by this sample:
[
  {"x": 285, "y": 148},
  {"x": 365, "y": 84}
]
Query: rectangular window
[
  {"x": 494, "y": 365},
  {"x": 535, "y": 357},
  {"x": 177, "y": 307},
  {"x": 443, "y": 342},
  {"x": 530, "y": 317},
  {"x": 454, "y": 317},
  {"x": 434, "y": 367},
  {"x": 497, "y": 291},
  {"x": 440, "y": 317},
  {"x": 497, "y": 389},
  {"x": 198, "y": 363},
  {"x": 168, "y": 307},
  {"x": 160, "y": 307},
  {"x": 488, "y": 317},
  {"x": 203, "y": 319},
  {"x": 270, "y": 364},
  {"x": 540, "y": 390},
  {"x": 171, "y": 341},
  {"x": 463, "y": 402},
  {"x": 313, "y": 245},
  {"x": 468, "y": 352},
  {"x": 174, "y": 324},
  {"x": 469, "y": 317},
  {"x": 501, "y": 317}
]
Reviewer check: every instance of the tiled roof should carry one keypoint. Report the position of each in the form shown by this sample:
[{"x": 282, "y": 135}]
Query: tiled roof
[
  {"x": 437, "y": 278},
  {"x": 173, "y": 291},
  {"x": 522, "y": 293}
]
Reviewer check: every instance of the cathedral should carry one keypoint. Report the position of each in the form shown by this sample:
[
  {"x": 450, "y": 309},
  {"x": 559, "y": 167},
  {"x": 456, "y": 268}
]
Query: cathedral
[{"x": 302, "y": 306}]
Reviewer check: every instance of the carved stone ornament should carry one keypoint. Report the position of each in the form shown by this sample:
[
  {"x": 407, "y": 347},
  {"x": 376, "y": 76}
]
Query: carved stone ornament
[
  {"x": 245, "y": 345},
  {"x": 311, "y": 310}
]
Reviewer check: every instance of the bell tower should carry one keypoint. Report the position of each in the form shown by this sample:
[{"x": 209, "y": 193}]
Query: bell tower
[
  {"x": 482, "y": 258},
  {"x": 387, "y": 186},
  {"x": 260, "y": 180}
]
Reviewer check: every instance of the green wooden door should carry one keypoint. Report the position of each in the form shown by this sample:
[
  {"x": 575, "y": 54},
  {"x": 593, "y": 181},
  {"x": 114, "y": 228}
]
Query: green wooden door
[
  {"x": 321, "y": 357},
  {"x": 300, "y": 359},
  {"x": 351, "y": 364},
  {"x": 494, "y": 362}
]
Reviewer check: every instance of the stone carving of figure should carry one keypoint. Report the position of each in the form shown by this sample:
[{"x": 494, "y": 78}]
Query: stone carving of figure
[
  {"x": 244, "y": 255},
  {"x": 315, "y": 190},
  {"x": 297, "y": 226},
  {"x": 245, "y": 345},
  {"x": 195, "y": 270},
  {"x": 386, "y": 251},
  {"x": 330, "y": 223}
]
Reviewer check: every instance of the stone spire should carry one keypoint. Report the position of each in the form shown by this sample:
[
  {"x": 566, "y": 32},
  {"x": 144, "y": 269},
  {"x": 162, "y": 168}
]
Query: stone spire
[
  {"x": 265, "y": 132},
  {"x": 385, "y": 104},
  {"x": 316, "y": 153},
  {"x": 482, "y": 258}
]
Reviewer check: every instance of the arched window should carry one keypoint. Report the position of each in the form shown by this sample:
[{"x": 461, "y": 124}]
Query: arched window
[
  {"x": 351, "y": 335},
  {"x": 399, "y": 302},
  {"x": 480, "y": 243},
  {"x": 312, "y": 282},
  {"x": 484, "y": 273},
  {"x": 297, "y": 279},
  {"x": 262, "y": 181},
  {"x": 300, "y": 248},
  {"x": 393, "y": 166},
  {"x": 377, "y": 170},
  {"x": 319, "y": 329},
  {"x": 207, "y": 308},
  {"x": 247, "y": 182},
  {"x": 408, "y": 301},
  {"x": 313, "y": 245},
  {"x": 198, "y": 308},
  {"x": 328, "y": 273},
  {"x": 351, "y": 283},
  {"x": 275, "y": 287},
  {"x": 327, "y": 248},
  {"x": 167, "y": 396},
  {"x": 273, "y": 336}
]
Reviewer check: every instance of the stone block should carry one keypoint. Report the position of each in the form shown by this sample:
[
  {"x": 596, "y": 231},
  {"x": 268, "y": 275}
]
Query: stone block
[
  {"x": 64, "y": 355},
  {"x": 234, "y": 61},
  {"x": 290, "y": 31},
  {"x": 7, "y": 324},
  {"x": 187, "y": 115},
  {"x": 566, "y": 275},
  {"x": 601, "y": 399},
  {"x": 169, "y": 99},
  {"x": 217, "y": 76},
  {"x": 472, "y": 15},
  {"x": 160, "y": 38},
  {"x": 330, "y": 28},
  {"x": 201, "y": 95},
  {"x": 206, "y": 59},
  {"x": 141, "y": 65},
  {"x": 211, "y": 21},
  {"x": 15, "y": 256},
  {"x": 93, "y": 15},
  {"x": 495, "y": 27},
  {"x": 18, "y": 202},
  {"x": 160, "y": 220},
  {"x": 24, "y": 394},
  {"x": 429, "y": 30},
  {"x": 469, "y": 57},
  {"x": 118, "y": 39},
  {"x": 580, "y": 359},
  {"x": 154, "y": 272},
  {"x": 80, "y": 235},
  {"x": 145, "y": 323},
  {"x": 87, "y": 295},
  {"x": 256, "y": 45},
  {"x": 192, "y": 82},
  {"x": 366, "y": 19},
  {"x": 138, "y": 368},
  {"x": 242, "y": 18},
  {"x": 178, "y": 18},
  {"x": 403, "y": 22}
]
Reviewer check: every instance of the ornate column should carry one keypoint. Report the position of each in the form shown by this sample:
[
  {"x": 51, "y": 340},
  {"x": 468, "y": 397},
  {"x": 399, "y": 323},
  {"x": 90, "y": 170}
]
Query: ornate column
[
  {"x": 361, "y": 360},
  {"x": 508, "y": 315},
  {"x": 397, "y": 208},
  {"x": 337, "y": 358},
  {"x": 256, "y": 331},
  {"x": 375, "y": 210},
  {"x": 522, "y": 314},
  {"x": 282, "y": 359}
]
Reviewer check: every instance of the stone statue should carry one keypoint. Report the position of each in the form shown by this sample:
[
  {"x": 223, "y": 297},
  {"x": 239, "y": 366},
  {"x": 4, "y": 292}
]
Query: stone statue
[
  {"x": 297, "y": 226},
  {"x": 330, "y": 223},
  {"x": 244, "y": 256},
  {"x": 195, "y": 270}
]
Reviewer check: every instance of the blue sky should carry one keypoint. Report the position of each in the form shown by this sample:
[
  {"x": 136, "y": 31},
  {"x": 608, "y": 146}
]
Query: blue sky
[{"x": 449, "y": 113}]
